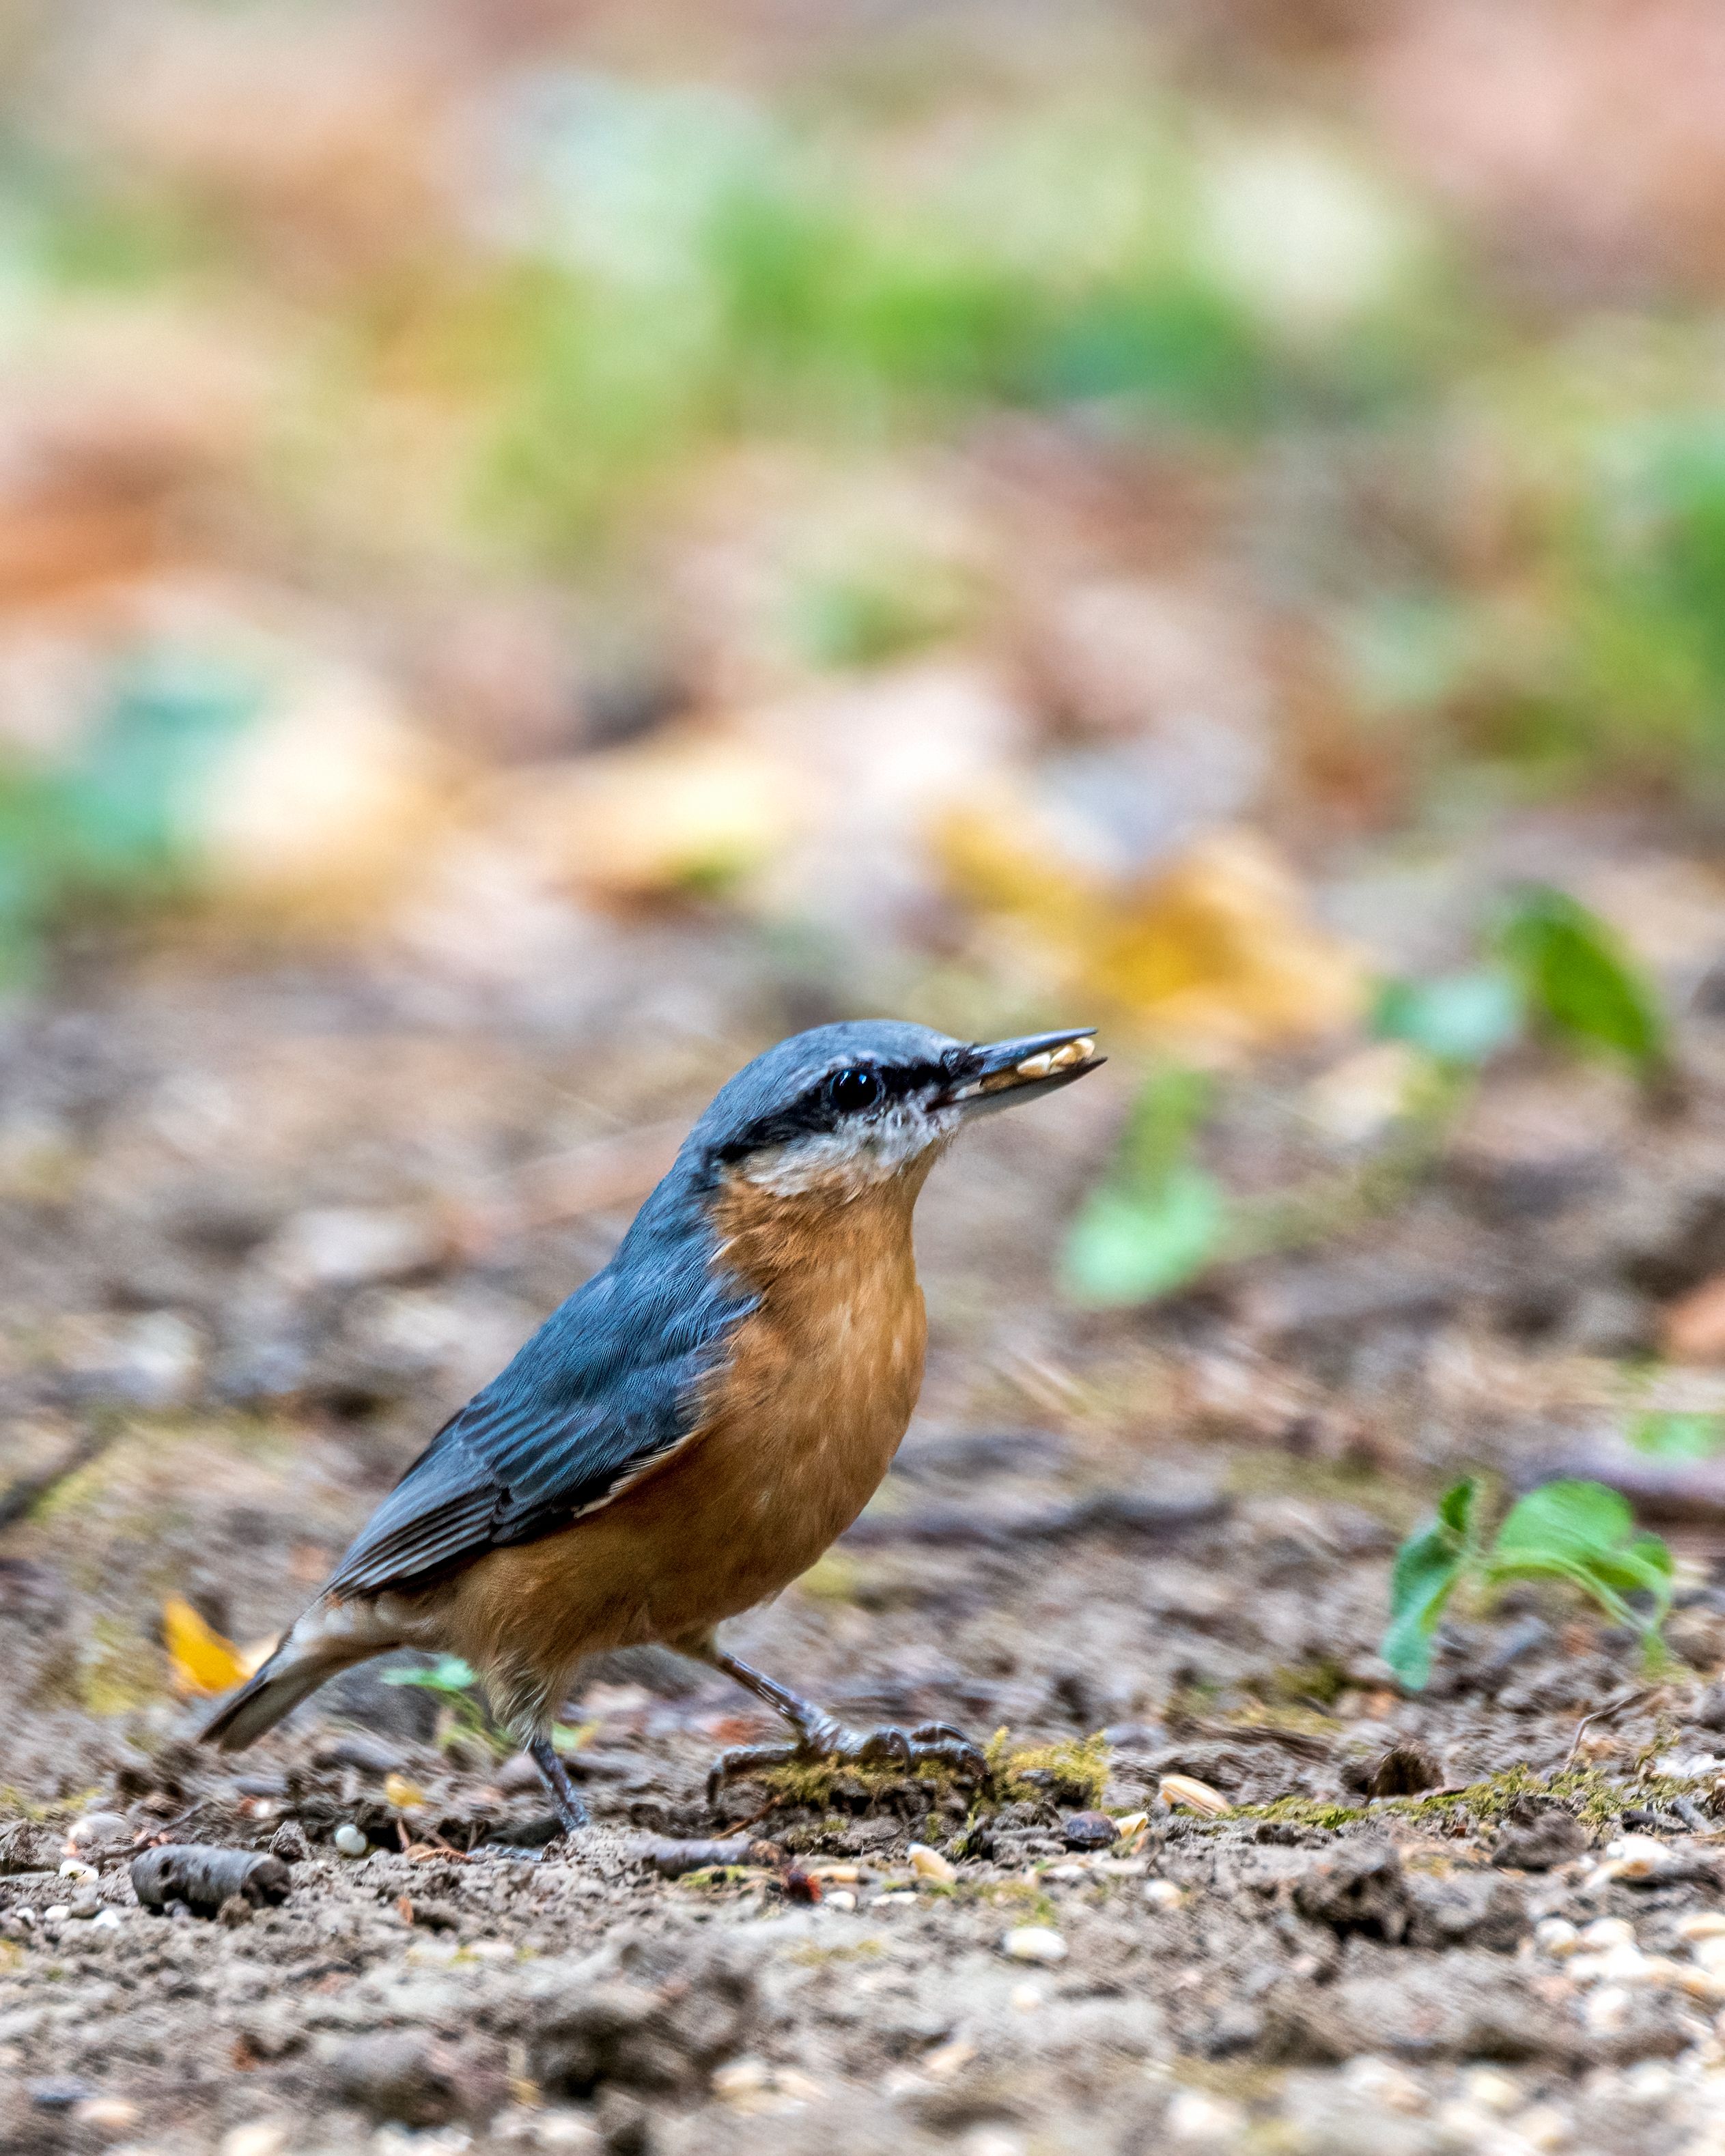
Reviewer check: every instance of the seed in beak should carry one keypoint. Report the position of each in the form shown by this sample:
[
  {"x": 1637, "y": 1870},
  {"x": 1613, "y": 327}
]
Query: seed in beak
[{"x": 1035, "y": 1067}]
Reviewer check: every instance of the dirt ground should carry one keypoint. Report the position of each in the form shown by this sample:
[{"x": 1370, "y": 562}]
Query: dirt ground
[{"x": 263, "y": 1230}]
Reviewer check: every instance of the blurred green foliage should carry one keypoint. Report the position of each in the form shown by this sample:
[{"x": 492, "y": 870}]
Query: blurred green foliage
[
  {"x": 1157, "y": 1218},
  {"x": 1576, "y": 976}
]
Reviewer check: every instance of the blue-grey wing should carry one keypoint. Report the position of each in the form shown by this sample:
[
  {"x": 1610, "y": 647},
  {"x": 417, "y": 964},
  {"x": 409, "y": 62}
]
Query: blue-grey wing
[{"x": 610, "y": 1384}]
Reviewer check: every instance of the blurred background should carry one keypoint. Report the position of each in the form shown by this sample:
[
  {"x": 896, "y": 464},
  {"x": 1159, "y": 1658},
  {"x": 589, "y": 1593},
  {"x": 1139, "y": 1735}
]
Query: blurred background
[
  {"x": 544, "y": 545},
  {"x": 529, "y": 489}
]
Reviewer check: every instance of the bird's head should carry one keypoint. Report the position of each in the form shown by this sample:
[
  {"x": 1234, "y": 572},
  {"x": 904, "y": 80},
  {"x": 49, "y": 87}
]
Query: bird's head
[{"x": 842, "y": 1107}]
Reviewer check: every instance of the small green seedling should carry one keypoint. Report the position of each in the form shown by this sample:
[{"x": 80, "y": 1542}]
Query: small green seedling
[
  {"x": 1578, "y": 1532},
  {"x": 1577, "y": 977},
  {"x": 1157, "y": 1218}
]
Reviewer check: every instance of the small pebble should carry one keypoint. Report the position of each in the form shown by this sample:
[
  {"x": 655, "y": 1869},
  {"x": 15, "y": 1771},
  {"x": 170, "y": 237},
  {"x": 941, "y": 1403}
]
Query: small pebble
[
  {"x": 73, "y": 1869},
  {"x": 1090, "y": 1831},
  {"x": 930, "y": 1864},
  {"x": 1384, "y": 2083},
  {"x": 1608, "y": 1932},
  {"x": 1033, "y": 1942},
  {"x": 842, "y": 1897},
  {"x": 57, "y": 1913},
  {"x": 258, "y": 2137},
  {"x": 106, "y": 1920},
  {"x": 1489, "y": 2090},
  {"x": 59, "y": 2094},
  {"x": 1194, "y": 2117},
  {"x": 1162, "y": 1894},
  {"x": 1702, "y": 1924},
  {"x": 1026, "y": 1998},
  {"x": 98, "y": 1831},
  {"x": 1556, "y": 1936},
  {"x": 107, "y": 2114},
  {"x": 893, "y": 1898},
  {"x": 349, "y": 1840},
  {"x": 1543, "y": 2127}
]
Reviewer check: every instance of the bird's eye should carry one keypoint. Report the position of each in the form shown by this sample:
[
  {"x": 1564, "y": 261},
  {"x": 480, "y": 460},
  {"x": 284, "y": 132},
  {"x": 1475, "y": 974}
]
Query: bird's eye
[{"x": 848, "y": 1091}]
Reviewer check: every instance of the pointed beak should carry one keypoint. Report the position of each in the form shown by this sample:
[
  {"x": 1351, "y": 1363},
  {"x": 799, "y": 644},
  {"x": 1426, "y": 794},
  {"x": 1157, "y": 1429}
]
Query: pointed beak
[{"x": 1003, "y": 1072}]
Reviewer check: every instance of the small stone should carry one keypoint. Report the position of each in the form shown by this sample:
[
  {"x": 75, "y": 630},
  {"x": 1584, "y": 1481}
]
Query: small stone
[
  {"x": 1404, "y": 1770},
  {"x": 1384, "y": 2083},
  {"x": 1607, "y": 1931},
  {"x": 349, "y": 1841},
  {"x": 1194, "y": 2117},
  {"x": 289, "y": 1843},
  {"x": 1556, "y": 1937},
  {"x": 106, "y": 2114},
  {"x": 1540, "y": 1842},
  {"x": 1162, "y": 1894},
  {"x": 60, "y": 2094},
  {"x": 1090, "y": 1831},
  {"x": 74, "y": 1869},
  {"x": 1489, "y": 2090},
  {"x": 98, "y": 1831},
  {"x": 258, "y": 2137},
  {"x": 1702, "y": 1924},
  {"x": 1543, "y": 2127},
  {"x": 1033, "y": 1942},
  {"x": 841, "y": 1899},
  {"x": 106, "y": 1920},
  {"x": 930, "y": 1865}
]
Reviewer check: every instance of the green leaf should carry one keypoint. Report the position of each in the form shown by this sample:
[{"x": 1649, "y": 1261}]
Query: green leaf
[
  {"x": 1585, "y": 1533},
  {"x": 1574, "y": 971},
  {"x": 1673, "y": 1433},
  {"x": 1428, "y": 1567},
  {"x": 1128, "y": 1246},
  {"x": 1461, "y": 1017}
]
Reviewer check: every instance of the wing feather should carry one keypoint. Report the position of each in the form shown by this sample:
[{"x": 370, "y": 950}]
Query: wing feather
[{"x": 609, "y": 1386}]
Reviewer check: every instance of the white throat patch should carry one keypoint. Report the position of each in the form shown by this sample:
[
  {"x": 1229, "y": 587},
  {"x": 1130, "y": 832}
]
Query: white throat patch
[{"x": 849, "y": 1161}]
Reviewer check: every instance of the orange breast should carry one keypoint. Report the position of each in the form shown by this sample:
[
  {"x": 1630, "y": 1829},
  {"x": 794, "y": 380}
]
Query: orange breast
[{"x": 796, "y": 1434}]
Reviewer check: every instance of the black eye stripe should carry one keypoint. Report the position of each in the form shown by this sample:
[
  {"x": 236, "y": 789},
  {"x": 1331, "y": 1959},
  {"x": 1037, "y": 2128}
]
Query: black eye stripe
[{"x": 816, "y": 1109}]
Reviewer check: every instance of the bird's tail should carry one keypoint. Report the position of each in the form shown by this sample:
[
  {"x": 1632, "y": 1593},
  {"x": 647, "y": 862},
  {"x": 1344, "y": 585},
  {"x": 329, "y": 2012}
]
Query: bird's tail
[{"x": 310, "y": 1654}]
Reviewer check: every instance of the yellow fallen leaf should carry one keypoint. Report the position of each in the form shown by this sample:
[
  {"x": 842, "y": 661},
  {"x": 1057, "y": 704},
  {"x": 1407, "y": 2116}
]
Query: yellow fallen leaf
[
  {"x": 401, "y": 1793},
  {"x": 203, "y": 1660},
  {"x": 1216, "y": 949},
  {"x": 689, "y": 811}
]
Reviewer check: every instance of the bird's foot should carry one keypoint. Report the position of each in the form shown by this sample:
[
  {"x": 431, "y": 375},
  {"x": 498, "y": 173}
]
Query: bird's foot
[{"x": 828, "y": 1743}]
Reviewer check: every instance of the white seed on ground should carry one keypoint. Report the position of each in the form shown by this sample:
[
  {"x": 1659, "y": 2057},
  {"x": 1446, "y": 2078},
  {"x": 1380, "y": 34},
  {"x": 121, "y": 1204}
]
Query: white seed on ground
[
  {"x": 1033, "y": 1942},
  {"x": 1195, "y": 1795},
  {"x": 946, "y": 2060},
  {"x": 1708, "y": 1953},
  {"x": 895, "y": 1897},
  {"x": 73, "y": 1868},
  {"x": 1026, "y": 1998},
  {"x": 1133, "y": 1823},
  {"x": 1162, "y": 1894},
  {"x": 1556, "y": 1936},
  {"x": 930, "y": 1864},
  {"x": 841, "y": 1899},
  {"x": 741, "y": 2077},
  {"x": 1609, "y": 2007},
  {"x": 1489, "y": 2090},
  {"x": 1624, "y": 1964},
  {"x": 1702, "y": 1924},
  {"x": 1543, "y": 2127},
  {"x": 258, "y": 2137},
  {"x": 1384, "y": 2083},
  {"x": 1194, "y": 2117},
  {"x": 1608, "y": 1932},
  {"x": 57, "y": 1913},
  {"x": 106, "y": 1920},
  {"x": 107, "y": 2114},
  {"x": 349, "y": 1840}
]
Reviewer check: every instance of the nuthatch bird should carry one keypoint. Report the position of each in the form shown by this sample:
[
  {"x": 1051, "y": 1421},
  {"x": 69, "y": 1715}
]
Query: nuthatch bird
[{"x": 700, "y": 1421}]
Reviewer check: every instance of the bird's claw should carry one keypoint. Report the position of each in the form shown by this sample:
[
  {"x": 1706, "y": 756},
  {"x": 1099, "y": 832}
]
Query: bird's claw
[{"x": 829, "y": 1743}]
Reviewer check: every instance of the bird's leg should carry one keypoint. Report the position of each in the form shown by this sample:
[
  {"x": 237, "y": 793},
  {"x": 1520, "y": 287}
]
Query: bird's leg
[
  {"x": 820, "y": 1736},
  {"x": 565, "y": 1802}
]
